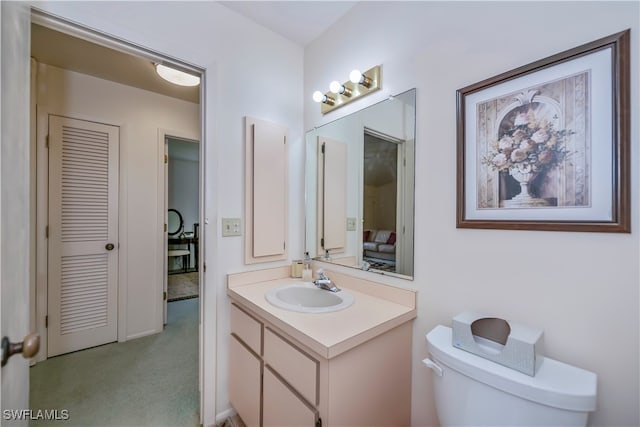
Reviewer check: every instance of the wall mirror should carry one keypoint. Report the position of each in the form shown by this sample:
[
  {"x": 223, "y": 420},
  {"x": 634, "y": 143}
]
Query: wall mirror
[
  {"x": 175, "y": 224},
  {"x": 359, "y": 188}
]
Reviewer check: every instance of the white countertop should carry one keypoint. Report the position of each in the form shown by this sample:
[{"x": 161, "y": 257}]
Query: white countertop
[{"x": 330, "y": 334}]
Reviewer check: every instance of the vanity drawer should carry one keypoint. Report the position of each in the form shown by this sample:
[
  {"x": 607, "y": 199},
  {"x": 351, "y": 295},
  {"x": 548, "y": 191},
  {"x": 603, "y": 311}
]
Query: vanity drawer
[
  {"x": 296, "y": 367},
  {"x": 282, "y": 405},
  {"x": 247, "y": 328}
]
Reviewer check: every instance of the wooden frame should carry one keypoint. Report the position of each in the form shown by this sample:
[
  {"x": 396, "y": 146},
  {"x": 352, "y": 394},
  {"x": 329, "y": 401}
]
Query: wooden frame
[{"x": 546, "y": 146}]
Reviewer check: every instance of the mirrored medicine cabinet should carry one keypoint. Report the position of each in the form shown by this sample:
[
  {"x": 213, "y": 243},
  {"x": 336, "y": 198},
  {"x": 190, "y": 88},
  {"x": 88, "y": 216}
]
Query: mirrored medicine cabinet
[{"x": 359, "y": 188}]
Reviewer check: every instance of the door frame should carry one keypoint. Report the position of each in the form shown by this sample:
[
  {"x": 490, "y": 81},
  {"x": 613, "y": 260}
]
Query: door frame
[
  {"x": 163, "y": 196},
  {"x": 207, "y": 393},
  {"x": 401, "y": 178}
]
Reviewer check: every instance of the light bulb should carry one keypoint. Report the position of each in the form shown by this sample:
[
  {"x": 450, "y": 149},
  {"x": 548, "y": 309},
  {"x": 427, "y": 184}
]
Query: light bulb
[
  {"x": 355, "y": 76},
  {"x": 358, "y": 78},
  {"x": 335, "y": 87},
  {"x": 318, "y": 96}
]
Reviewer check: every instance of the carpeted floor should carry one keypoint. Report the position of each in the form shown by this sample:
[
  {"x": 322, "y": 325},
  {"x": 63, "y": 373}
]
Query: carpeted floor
[
  {"x": 182, "y": 286},
  {"x": 378, "y": 264},
  {"x": 149, "y": 381}
]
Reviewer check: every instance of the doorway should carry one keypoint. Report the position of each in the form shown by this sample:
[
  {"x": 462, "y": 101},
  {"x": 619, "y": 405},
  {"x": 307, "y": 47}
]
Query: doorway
[
  {"x": 382, "y": 155},
  {"x": 141, "y": 252},
  {"x": 182, "y": 205}
]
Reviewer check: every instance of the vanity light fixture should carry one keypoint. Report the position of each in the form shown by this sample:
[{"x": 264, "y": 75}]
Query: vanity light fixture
[
  {"x": 339, "y": 89},
  {"x": 357, "y": 77},
  {"x": 177, "y": 77},
  {"x": 321, "y": 97},
  {"x": 359, "y": 85}
]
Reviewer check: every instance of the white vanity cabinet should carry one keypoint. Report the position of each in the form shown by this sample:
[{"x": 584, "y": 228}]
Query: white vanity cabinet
[
  {"x": 245, "y": 366},
  {"x": 276, "y": 380}
]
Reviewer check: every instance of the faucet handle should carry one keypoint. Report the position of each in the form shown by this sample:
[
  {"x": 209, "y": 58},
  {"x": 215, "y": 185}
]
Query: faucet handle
[{"x": 321, "y": 274}]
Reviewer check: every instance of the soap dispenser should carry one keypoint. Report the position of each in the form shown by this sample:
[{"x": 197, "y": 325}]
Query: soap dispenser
[{"x": 307, "y": 273}]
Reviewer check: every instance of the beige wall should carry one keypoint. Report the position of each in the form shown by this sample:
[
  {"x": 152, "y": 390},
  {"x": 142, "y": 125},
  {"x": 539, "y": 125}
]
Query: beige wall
[
  {"x": 139, "y": 114},
  {"x": 580, "y": 288}
]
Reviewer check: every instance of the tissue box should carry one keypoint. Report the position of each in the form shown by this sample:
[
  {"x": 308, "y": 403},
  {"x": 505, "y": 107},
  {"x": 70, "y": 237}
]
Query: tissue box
[{"x": 510, "y": 344}]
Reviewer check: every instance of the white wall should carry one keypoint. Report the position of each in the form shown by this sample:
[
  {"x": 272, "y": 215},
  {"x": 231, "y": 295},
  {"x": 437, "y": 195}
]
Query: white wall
[
  {"x": 139, "y": 114},
  {"x": 582, "y": 289},
  {"x": 247, "y": 71}
]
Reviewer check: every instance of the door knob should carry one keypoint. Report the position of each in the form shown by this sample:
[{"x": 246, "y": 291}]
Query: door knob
[
  {"x": 28, "y": 347},
  {"x": 109, "y": 246}
]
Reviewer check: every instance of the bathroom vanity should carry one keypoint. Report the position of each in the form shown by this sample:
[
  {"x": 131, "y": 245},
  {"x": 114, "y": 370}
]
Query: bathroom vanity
[{"x": 347, "y": 367}]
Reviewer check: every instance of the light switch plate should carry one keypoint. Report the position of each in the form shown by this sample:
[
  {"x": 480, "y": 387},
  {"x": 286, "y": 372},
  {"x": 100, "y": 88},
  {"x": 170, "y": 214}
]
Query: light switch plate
[
  {"x": 230, "y": 227},
  {"x": 351, "y": 224}
]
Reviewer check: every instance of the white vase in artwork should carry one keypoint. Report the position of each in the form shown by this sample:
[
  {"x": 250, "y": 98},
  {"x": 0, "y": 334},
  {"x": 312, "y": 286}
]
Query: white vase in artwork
[{"x": 524, "y": 198}]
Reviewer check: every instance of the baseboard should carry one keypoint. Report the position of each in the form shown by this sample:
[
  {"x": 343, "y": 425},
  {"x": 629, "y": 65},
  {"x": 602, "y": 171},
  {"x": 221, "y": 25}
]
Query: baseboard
[
  {"x": 142, "y": 334},
  {"x": 224, "y": 415}
]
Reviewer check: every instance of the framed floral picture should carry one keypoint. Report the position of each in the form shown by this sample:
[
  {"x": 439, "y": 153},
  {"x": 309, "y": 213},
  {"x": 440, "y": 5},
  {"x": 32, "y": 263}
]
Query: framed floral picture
[{"x": 546, "y": 146}]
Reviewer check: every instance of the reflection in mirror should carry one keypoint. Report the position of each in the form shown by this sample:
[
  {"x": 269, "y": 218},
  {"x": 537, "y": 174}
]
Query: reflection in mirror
[
  {"x": 175, "y": 223},
  {"x": 359, "y": 185}
]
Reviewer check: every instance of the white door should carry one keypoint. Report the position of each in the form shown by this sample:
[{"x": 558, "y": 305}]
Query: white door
[
  {"x": 83, "y": 234},
  {"x": 14, "y": 204},
  {"x": 332, "y": 194}
]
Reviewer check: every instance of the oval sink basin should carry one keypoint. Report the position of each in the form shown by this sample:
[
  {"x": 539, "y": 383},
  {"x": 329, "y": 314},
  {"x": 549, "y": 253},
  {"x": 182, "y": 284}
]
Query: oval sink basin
[{"x": 307, "y": 298}]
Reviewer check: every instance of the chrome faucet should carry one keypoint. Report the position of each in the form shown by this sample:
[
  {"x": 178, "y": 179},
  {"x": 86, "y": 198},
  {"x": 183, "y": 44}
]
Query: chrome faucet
[{"x": 323, "y": 282}]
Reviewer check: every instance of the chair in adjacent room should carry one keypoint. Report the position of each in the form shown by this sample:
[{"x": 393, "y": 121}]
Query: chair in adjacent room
[{"x": 174, "y": 230}]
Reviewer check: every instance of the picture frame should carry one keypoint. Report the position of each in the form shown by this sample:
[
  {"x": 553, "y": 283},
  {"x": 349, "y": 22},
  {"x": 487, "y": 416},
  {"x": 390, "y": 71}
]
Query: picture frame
[{"x": 546, "y": 146}]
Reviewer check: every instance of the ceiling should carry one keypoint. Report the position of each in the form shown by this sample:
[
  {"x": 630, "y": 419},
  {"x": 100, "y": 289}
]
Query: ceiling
[
  {"x": 299, "y": 21},
  {"x": 71, "y": 53}
]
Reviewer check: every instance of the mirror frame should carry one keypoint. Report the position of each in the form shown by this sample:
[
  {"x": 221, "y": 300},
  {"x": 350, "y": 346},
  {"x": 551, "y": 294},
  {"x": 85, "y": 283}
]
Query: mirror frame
[
  {"x": 312, "y": 193},
  {"x": 180, "y": 227}
]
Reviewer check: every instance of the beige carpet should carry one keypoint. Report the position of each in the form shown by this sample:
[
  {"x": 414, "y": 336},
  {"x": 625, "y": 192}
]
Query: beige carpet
[{"x": 182, "y": 286}]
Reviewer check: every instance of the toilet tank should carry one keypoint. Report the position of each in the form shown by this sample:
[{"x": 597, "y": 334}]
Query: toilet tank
[{"x": 473, "y": 391}]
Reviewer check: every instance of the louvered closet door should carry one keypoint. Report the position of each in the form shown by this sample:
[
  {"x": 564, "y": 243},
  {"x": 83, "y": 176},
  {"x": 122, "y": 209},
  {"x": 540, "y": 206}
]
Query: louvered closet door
[{"x": 83, "y": 224}]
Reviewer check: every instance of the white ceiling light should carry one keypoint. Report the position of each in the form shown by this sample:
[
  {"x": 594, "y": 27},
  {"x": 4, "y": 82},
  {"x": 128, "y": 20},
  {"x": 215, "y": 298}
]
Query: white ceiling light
[{"x": 176, "y": 76}]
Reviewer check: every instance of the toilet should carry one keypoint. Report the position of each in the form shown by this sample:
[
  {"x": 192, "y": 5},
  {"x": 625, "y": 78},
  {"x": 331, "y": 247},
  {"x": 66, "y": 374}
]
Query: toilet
[{"x": 473, "y": 391}]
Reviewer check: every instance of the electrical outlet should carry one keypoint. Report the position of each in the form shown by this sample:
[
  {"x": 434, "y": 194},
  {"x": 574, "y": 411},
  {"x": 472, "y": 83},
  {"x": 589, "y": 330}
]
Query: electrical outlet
[
  {"x": 351, "y": 224},
  {"x": 231, "y": 227}
]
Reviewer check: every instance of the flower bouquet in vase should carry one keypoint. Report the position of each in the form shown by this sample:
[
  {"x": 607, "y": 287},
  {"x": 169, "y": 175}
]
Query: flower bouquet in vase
[{"x": 527, "y": 149}]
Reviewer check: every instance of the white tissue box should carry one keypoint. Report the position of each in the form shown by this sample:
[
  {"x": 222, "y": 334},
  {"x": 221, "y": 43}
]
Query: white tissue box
[{"x": 510, "y": 344}]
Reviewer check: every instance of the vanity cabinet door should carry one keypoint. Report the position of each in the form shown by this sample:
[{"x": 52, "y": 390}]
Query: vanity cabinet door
[
  {"x": 292, "y": 364},
  {"x": 244, "y": 382},
  {"x": 266, "y": 191},
  {"x": 283, "y": 406},
  {"x": 247, "y": 328}
]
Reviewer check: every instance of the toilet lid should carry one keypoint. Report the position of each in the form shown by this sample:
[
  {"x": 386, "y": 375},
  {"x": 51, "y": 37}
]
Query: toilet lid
[{"x": 555, "y": 384}]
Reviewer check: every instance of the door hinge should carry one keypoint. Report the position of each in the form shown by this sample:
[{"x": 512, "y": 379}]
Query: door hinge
[
  {"x": 322, "y": 242},
  {"x": 323, "y": 147},
  {"x": 166, "y": 159},
  {"x": 165, "y": 228},
  {"x": 46, "y": 232},
  {"x": 46, "y": 321},
  {"x": 285, "y": 140},
  {"x": 204, "y": 267},
  {"x": 319, "y": 422},
  {"x": 46, "y": 141},
  {"x": 164, "y": 296}
]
